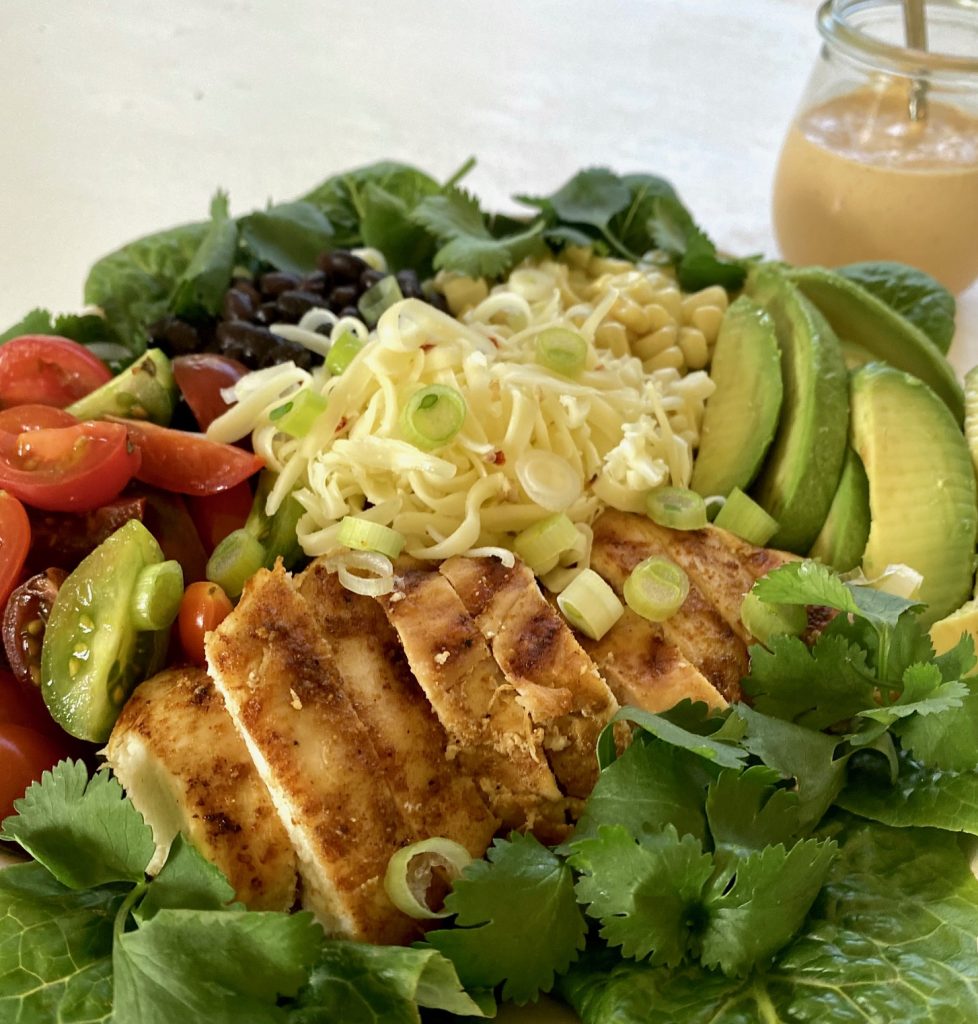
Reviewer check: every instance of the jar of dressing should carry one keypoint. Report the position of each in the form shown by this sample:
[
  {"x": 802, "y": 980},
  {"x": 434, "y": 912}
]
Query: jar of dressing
[{"x": 881, "y": 161}]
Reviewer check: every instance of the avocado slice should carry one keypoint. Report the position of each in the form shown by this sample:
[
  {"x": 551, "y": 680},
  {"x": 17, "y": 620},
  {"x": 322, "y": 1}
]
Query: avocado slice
[
  {"x": 741, "y": 415},
  {"x": 800, "y": 475},
  {"x": 843, "y": 536},
  {"x": 145, "y": 390},
  {"x": 859, "y": 316},
  {"x": 947, "y": 632},
  {"x": 921, "y": 485}
]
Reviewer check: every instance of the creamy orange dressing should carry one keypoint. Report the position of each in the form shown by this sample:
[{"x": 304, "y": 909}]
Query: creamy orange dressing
[{"x": 858, "y": 180}]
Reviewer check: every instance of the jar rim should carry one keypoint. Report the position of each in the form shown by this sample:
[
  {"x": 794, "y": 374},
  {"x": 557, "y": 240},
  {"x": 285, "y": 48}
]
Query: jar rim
[{"x": 837, "y": 31}]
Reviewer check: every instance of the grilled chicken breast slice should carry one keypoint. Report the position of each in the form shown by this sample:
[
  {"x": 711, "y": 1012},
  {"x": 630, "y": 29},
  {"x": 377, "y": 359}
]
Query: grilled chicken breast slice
[
  {"x": 645, "y": 670},
  {"x": 490, "y": 732},
  {"x": 435, "y": 797},
  {"x": 621, "y": 541},
  {"x": 326, "y": 779},
  {"x": 555, "y": 681},
  {"x": 177, "y": 754}
]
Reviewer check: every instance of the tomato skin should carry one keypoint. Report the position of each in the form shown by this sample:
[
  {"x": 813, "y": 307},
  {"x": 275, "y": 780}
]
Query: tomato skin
[
  {"x": 63, "y": 539},
  {"x": 48, "y": 370},
  {"x": 200, "y": 378},
  {"x": 203, "y": 608},
  {"x": 68, "y": 469},
  {"x": 24, "y": 621},
  {"x": 33, "y": 417},
  {"x": 24, "y": 755},
  {"x": 188, "y": 463},
  {"x": 15, "y": 540},
  {"x": 217, "y": 515}
]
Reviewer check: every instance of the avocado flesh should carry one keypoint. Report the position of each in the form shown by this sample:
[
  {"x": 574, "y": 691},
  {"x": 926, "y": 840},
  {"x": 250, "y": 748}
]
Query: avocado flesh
[
  {"x": 860, "y": 317},
  {"x": 799, "y": 477},
  {"x": 921, "y": 485},
  {"x": 145, "y": 390},
  {"x": 741, "y": 416},
  {"x": 843, "y": 537},
  {"x": 946, "y": 633}
]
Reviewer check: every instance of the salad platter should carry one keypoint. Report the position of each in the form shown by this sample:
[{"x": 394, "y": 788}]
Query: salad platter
[{"x": 412, "y": 612}]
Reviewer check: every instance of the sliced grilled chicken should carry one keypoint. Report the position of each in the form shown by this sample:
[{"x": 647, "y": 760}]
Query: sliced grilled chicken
[
  {"x": 185, "y": 768},
  {"x": 555, "y": 681},
  {"x": 645, "y": 670},
  {"x": 700, "y": 632},
  {"x": 326, "y": 779},
  {"x": 435, "y": 797},
  {"x": 490, "y": 732}
]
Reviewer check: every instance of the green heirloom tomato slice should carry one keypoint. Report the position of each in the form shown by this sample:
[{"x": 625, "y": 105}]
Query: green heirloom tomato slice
[{"x": 93, "y": 654}]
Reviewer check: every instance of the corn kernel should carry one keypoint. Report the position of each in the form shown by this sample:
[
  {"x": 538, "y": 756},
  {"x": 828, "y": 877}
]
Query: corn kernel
[
  {"x": 650, "y": 345},
  {"x": 462, "y": 293},
  {"x": 715, "y": 295},
  {"x": 630, "y": 314},
  {"x": 613, "y": 336},
  {"x": 641, "y": 290},
  {"x": 694, "y": 348},
  {"x": 671, "y": 300},
  {"x": 671, "y": 357},
  {"x": 658, "y": 316},
  {"x": 708, "y": 320}
]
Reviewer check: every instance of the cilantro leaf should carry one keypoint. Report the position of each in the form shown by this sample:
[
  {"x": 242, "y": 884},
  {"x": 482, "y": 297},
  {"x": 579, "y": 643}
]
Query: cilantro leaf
[
  {"x": 212, "y": 965},
  {"x": 720, "y": 752},
  {"x": 647, "y": 893},
  {"x": 816, "y": 687},
  {"x": 187, "y": 882},
  {"x": 37, "y": 321},
  {"x": 945, "y": 741},
  {"x": 747, "y": 811},
  {"x": 289, "y": 236},
  {"x": 84, "y": 832},
  {"x": 456, "y": 220},
  {"x": 772, "y": 891},
  {"x": 516, "y": 920},
  {"x": 924, "y": 693},
  {"x": 650, "y": 786},
  {"x": 201, "y": 286},
  {"x": 357, "y": 983},
  {"x": 388, "y": 225},
  {"x": 592, "y": 197},
  {"x": 630, "y": 226},
  {"x": 55, "y": 948}
]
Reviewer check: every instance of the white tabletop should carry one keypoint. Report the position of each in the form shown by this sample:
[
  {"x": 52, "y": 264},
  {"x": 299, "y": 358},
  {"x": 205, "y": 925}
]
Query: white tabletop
[{"x": 119, "y": 118}]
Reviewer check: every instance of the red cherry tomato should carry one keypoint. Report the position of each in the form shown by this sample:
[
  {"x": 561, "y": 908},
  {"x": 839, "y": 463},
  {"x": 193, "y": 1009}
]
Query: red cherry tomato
[
  {"x": 67, "y": 469},
  {"x": 24, "y": 706},
  {"x": 33, "y": 417},
  {"x": 188, "y": 463},
  {"x": 15, "y": 539},
  {"x": 203, "y": 608},
  {"x": 24, "y": 755},
  {"x": 217, "y": 515},
  {"x": 48, "y": 371},
  {"x": 200, "y": 378}
]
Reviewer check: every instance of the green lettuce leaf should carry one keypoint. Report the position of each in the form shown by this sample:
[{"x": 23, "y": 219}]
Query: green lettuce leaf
[{"x": 288, "y": 236}]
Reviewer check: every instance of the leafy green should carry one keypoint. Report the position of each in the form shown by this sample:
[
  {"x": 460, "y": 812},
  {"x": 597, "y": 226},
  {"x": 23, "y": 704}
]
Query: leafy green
[
  {"x": 55, "y": 948},
  {"x": 947, "y": 742},
  {"x": 83, "y": 831},
  {"x": 456, "y": 220},
  {"x": 719, "y": 751},
  {"x": 389, "y": 225},
  {"x": 361, "y": 984},
  {"x": 910, "y": 292},
  {"x": 288, "y": 236},
  {"x": 199, "y": 289},
  {"x": 516, "y": 922},
  {"x": 187, "y": 882},
  {"x": 747, "y": 811},
  {"x": 37, "y": 321}
]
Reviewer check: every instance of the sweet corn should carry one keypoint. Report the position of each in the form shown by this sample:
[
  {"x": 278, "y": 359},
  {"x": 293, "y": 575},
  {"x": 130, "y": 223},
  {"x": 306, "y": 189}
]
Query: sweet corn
[
  {"x": 671, "y": 356},
  {"x": 650, "y": 345},
  {"x": 708, "y": 320},
  {"x": 694, "y": 347},
  {"x": 715, "y": 295},
  {"x": 659, "y": 316},
  {"x": 630, "y": 314},
  {"x": 613, "y": 336},
  {"x": 462, "y": 293}
]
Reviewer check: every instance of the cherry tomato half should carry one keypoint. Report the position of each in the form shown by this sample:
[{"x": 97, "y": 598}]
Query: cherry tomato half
[
  {"x": 203, "y": 608},
  {"x": 200, "y": 378},
  {"x": 68, "y": 469},
  {"x": 33, "y": 417},
  {"x": 47, "y": 370},
  {"x": 25, "y": 619},
  {"x": 24, "y": 755},
  {"x": 15, "y": 539},
  {"x": 217, "y": 515},
  {"x": 188, "y": 463}
]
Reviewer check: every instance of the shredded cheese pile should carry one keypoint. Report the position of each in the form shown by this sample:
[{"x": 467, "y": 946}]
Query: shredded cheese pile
[{"x": 533, "y": 442}]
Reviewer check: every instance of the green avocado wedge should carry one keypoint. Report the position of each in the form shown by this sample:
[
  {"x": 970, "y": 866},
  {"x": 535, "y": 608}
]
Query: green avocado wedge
[
  {"x": 741, "y": 416},
  {"x": 921, "y": 485},
  {"x": 858, "y": 316},
  {"x": 801, "y": 472},
  {"x": 843, "y": 537}
]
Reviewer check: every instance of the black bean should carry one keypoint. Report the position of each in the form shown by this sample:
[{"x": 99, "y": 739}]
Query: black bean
[
  {"x": 275, "y": 282},
  {"x": 246, "y": 285},
  {"x": 342, "y": 265},
  {"x": 268, "y": 313},
  {"x": 370, "y": 277},
  {"x": 350, "y": 311},
  {"x": 175, "y": 337},
  {"x": 343, "y": 295},
  {"x": 409, "y": 284},
  {"x": 325, "y": 329},
  {"x": 244, "y": 341},
  {"x": 237, "y": 305},
  {"x": 295, "y": 304},
  {"x": 314, "y": 282}
]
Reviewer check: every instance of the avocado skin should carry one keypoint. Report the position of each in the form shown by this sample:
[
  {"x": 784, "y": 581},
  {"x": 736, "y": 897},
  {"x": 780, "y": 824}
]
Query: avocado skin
[
  {"x": 741, "y": 416},
  {"x": 860, "y": 317},
  {"x": 843, "y": 536},
  {"x": 921, "y": 485},
  {"x": 799, "y": 478}
]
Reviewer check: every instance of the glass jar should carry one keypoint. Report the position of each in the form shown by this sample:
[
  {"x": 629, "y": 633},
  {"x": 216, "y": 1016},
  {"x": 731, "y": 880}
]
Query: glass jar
[{"x": 859, "y": 178}]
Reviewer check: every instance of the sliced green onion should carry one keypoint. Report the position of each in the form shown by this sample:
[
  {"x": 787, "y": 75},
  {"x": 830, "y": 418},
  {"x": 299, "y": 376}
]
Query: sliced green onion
[
  {"x": 157, "y": 595},
  {"x": 714, "y": 503},
  {"x": 542, "y": 544},
  {"x": 590, "y": 605},
  {"x": 362, "y": 535},
  {"x": 656, "y": 588},
  {"x": 378, "y": 298},
  {"x": 561, "y": 350},
  {"x": 410, "y": 873},
  {"x": 764, "y": 621},
  {"x": 297, "y": 416},
  {"x": 433, "y": 416},
  {"x": 676, "y": 507},
  {"x": 745, "y": 518},
  {"x": 234, "y": 561},
  {"x": 549, "y": 480},
  {"x": 342, "y": 352}
]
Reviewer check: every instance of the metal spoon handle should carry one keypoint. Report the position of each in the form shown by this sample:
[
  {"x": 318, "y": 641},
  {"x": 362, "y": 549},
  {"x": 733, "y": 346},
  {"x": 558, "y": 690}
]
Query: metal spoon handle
[{"x": 915, "y": 28}]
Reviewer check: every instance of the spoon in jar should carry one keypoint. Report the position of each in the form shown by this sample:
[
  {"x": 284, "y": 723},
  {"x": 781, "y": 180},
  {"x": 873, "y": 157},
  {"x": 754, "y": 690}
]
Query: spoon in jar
[{"x": 915, "y": 28}]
